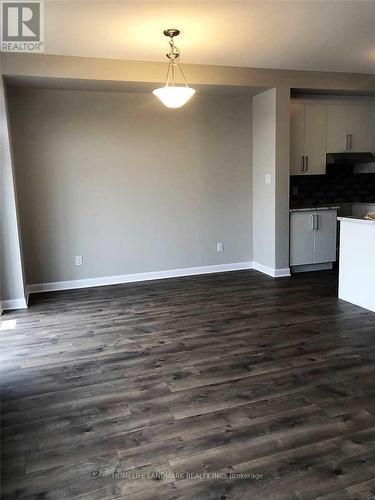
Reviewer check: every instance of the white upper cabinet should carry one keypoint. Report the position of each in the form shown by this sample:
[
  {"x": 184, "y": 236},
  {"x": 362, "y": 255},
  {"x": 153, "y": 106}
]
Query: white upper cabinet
[
  {"x": 308, "y": 139},
  {"x": 348, "y": 128},
  {"x": 315, "y": 138},
  {"x": 297, "y": 138},
  {"x": 337, "y": 129},
  {"x": 359, "y": 124},
  {"x": 317, "y": 129}
]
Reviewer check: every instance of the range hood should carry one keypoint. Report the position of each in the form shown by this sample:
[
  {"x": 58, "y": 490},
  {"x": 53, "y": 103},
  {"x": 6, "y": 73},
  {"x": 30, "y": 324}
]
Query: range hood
[{"x": 349, "y": 158}]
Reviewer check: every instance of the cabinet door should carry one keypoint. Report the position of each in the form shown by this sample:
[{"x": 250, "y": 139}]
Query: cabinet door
[
  {"x": 359, "y": 123},
  {"x": 297, "y": 126},
  {"x": 301, "y": 238},
  {"x": 325, "y": 236},
  {"x": 315, "y": 138},
  {"x": 337, "y": 128}
]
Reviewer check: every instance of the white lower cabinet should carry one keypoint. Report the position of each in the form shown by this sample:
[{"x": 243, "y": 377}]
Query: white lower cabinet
[
  {"x": 325, "y": 236},
  {"x": 301, "y": 238},
  {"x": 312, "y": 238}
]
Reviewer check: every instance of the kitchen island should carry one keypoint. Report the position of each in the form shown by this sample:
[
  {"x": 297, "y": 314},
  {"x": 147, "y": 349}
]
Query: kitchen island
[{"x": 357, "y": 261}]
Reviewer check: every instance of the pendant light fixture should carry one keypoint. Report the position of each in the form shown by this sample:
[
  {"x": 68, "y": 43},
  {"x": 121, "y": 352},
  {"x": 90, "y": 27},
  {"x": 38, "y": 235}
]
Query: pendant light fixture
[{"x": 172, "y": 95}]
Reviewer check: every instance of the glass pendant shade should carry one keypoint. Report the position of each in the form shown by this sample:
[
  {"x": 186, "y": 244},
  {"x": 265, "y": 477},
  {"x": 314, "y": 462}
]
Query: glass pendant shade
[{"x": 174, "y": 97}]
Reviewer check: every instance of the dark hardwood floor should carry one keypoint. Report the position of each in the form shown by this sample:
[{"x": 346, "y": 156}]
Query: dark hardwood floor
[{"x": 221, "y": 386}]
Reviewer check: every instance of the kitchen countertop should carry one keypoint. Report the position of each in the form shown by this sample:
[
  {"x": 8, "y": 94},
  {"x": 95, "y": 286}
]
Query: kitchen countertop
[
  {"x": 313, "y": 209},
  {"x": 358, "y": 220}
]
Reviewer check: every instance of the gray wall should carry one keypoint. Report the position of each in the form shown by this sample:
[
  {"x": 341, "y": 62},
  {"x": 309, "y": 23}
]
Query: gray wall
[
  {"x": 271, "y": 157},
  {"x": 264, "y": 163},
  {"x": 11, "y": 275},
  {"x": 282, "y": 178},
  {"x": 129, "y": 184},
  {"x": 115, "y": 74}
]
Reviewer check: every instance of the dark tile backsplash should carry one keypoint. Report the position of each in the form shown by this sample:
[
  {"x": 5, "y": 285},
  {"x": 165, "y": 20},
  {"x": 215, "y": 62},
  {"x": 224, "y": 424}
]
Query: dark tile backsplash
[{"x": 338, "y": 185}]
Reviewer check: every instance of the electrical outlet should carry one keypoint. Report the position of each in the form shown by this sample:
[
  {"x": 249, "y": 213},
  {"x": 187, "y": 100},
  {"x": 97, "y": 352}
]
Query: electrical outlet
[
  {"x": 219, "y": 247},
  {"x": 295, "y": 190},
  {"x": 79, "y": 260},
  {"x": 267, "y": 178}
]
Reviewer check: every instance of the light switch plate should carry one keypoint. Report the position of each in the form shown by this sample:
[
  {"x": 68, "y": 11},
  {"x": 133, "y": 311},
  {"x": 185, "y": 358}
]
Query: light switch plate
[
  {"x": 79, "y": 260},
  {"x": 267, "y": 178}
]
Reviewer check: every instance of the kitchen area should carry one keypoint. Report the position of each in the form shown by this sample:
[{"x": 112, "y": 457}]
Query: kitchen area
[{"x": 332, "y": 191}]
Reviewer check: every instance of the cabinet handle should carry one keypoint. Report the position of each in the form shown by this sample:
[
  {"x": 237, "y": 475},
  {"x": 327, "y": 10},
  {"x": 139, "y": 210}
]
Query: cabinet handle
[
  {"x": 307, "y": 163},
  {"x": 314, "y": 222},
  {"x": 347, "y": 142},
  {"x": 302, "y": 163},
  {"x": 350, "y": 140}
]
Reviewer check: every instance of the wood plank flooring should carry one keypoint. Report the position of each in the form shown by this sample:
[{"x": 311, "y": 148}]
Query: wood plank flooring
[{"x": 226, "y": 386}]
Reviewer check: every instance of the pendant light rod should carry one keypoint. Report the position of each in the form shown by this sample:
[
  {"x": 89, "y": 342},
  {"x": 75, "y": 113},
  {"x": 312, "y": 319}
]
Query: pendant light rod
[{"x": 171, "y": 70}]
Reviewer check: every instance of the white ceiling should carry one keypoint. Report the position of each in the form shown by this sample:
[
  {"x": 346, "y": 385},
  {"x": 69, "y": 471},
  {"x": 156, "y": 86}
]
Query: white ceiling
[{"x": 307, "y": 35}]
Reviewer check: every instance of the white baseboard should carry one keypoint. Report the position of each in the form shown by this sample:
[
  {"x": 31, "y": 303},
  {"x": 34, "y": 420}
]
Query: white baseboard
[
  {"x": 283, "y": 272},
  {"x": 275, "y": 273},
  {"x": 132, "y": 278},
  {"x": 154, "y": 275},
  {"x": 13, "y": 304}
]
